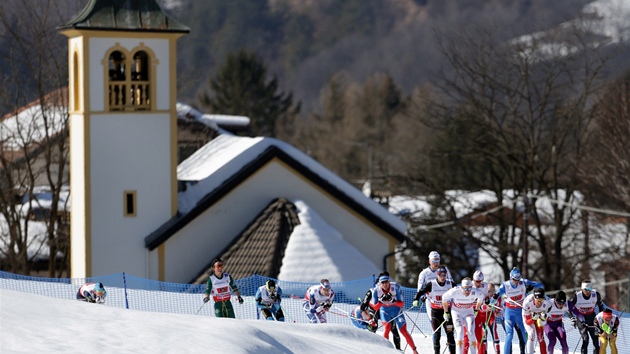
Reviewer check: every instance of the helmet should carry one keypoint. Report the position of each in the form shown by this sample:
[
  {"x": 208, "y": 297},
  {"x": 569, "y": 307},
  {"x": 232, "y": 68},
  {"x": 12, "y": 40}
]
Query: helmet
[
  {"x": 270, "y": 285},
  {"x": 515, "y": 274},
  {"x": 539, "y": 293},
  {"x": 478, "y": 275},
  {"x": 561, "y": 297},
  {"x": 466, "y": 283},
  {"x": 99, "y": 290}
]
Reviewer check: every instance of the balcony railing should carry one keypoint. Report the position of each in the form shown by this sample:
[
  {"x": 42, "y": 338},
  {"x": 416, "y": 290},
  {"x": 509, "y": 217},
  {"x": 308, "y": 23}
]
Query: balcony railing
[{"x": 129, "y": 96}]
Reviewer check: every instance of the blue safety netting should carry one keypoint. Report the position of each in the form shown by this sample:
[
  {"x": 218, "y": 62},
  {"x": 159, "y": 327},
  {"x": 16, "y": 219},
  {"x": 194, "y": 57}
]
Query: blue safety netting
[{"x": 130, "y": 292}]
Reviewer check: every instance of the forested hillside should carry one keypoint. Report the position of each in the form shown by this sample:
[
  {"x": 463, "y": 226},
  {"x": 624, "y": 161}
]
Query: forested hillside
[{"x": 305, "y": 42}]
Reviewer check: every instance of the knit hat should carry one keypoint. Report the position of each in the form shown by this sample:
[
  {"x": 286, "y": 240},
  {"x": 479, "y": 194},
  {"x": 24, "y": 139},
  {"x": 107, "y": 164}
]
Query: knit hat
[
  {"x": 561, "y": 297},
  {"x": 515, "y": 274},
  {"x": 539, "y": 293},
  {"x": 434, "y": 256}
]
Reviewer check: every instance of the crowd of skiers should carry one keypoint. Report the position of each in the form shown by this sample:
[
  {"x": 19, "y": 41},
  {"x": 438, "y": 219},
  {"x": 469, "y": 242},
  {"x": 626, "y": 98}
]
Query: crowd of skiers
[{"x": 468, "y": 313}]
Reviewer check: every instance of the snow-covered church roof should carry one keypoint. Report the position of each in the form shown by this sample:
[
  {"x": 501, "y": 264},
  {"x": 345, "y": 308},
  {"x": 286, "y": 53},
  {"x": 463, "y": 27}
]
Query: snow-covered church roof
[{"x": 216, "y": 165}]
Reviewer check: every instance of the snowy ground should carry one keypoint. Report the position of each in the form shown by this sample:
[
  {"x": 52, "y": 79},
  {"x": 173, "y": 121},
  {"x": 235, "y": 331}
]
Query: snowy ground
[{"x": 33, "y": 323}]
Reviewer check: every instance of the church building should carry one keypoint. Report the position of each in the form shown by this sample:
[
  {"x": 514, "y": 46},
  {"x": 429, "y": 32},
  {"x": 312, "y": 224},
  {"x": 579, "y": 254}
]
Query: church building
[{"x": 135, "y": 210}]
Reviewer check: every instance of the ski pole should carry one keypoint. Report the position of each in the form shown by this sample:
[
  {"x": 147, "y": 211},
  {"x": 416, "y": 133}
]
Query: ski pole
[
  {"x": 284, "y": 311},
  {"x": 416, "y": 326},
  {"x": 513, "y": 302},
  {"x": 412, "y": 328},
  {"x": 578, "y": 343},
  {"x": 202, "y": 305},
  {"x": 340, "y": 309},
  {"x": 348, "y": 316},
  {"x": 445, "y": 347},
  {"x": 393, "y": 319},
  {"x": 440, "y": 326}
]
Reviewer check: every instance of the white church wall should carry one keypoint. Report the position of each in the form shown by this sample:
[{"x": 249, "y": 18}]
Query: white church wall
[
  {"x": 193, "y": 247},
  {"x": 142, "y": 164},
  {"x": 77, "y": 167},
  {"x": 75, "y": 46}
]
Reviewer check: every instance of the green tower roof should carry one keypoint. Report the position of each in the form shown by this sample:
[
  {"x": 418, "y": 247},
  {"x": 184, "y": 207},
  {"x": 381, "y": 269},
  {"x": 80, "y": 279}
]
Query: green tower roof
[{"x": 124, "y": 15}]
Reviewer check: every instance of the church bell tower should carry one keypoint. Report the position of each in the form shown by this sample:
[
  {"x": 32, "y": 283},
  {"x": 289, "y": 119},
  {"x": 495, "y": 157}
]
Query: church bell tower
[{"x": 123, "y": 134}]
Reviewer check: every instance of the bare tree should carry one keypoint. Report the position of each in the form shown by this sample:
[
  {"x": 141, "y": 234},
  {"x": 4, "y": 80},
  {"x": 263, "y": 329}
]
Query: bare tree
[
  {"x": 515, "y": 115},
  {"x": 358, "y": 122},
  {"x": 609, "y": 171},
  {"x": 34, "y": 150}
]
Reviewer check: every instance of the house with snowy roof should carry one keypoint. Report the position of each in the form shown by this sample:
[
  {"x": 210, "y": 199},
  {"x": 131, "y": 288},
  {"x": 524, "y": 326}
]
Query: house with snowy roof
[{"x": 262, "y": 205}]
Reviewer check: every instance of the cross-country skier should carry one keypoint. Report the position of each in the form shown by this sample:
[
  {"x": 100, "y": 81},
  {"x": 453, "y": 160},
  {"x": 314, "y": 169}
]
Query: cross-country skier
[
  {"x": 387, "y": 298},
  {"x": 317, "y": 301},
  {"x": 92, "y": 292},
  {"x": 555, "y": 328},
  {"x": 535, "y": 311},
  {"x": 366, "y": 305},
  {"x": 268, "y": 298},
  {"x": 514, "y": 291},
  {"x": 480, "y": 320},
  {"x": 583, "y": 306},
  {"x": 221, "y": 285},
  {"x": 428, "y": 274},
  {"x": 461, "y": 303},
  {"x": 364, "y": 319},
  {"x": 434, "y": 290},
  {"x": 496, "y": 314},
  {"x": 607, "y": 324}
]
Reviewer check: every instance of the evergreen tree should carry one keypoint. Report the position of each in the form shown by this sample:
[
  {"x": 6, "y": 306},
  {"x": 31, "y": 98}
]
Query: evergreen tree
[{"x": 242, "y": 88}]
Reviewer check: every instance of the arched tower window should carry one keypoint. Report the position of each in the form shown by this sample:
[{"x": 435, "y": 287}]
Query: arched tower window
[
  {"x": 117, "y": 78},
  {"x": 75, "y": 82},
  {"x": 117, "y": 66},
  {"x": 129, "y": 80},
  {"x": 140, "y": 80}
]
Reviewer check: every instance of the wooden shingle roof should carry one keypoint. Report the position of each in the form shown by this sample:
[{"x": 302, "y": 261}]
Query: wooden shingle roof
[{"x": 260, "y": 247}]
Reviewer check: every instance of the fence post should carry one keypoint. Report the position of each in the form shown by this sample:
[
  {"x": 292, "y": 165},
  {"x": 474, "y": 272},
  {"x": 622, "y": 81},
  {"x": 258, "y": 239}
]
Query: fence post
[
  {"x": 256, "y": 287},
  {"x": 125, "y": 287}
]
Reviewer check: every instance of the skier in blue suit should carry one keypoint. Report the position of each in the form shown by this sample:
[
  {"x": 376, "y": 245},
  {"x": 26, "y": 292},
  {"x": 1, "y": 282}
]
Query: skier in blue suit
[
  {"x": 514, "y": 291},
  {"x": 268, "y": 298}
]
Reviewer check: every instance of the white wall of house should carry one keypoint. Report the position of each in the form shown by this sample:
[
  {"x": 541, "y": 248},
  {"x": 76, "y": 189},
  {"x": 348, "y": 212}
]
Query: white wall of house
[{"x": 193, "y": 247}]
